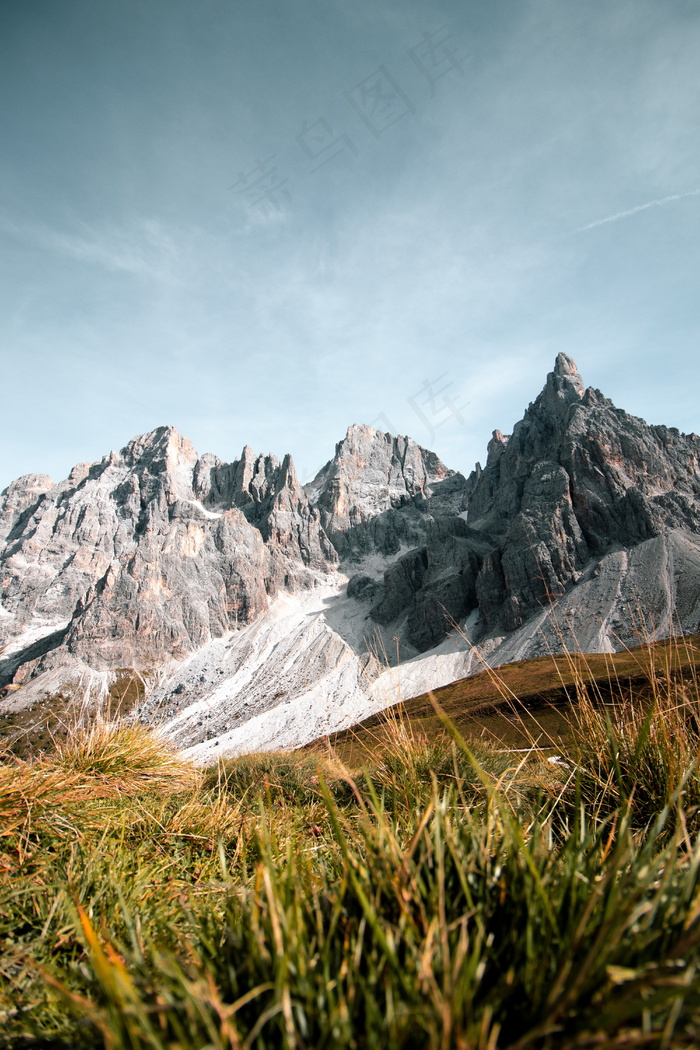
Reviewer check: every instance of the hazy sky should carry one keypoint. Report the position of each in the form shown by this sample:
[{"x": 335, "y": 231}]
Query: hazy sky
[{"x": 263, "y": 220}]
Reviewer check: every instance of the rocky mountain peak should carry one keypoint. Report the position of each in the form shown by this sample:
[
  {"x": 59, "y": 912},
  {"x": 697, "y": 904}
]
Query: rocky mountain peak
[
  {"x": 566, "y": 366},
  {"x": 373, "y": 471},
  {"x": 564, "y": 383},
  {"x": 152, "y": 551},
  {"x": 373, "y": 478},
  {"x": 576, "y": 478},
  {"x": 496, "y": 445},
  {"x": 161, "y": 448}
]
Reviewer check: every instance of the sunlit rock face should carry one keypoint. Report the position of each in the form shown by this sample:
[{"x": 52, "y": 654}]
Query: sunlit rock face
[
  {"x": 258, "y": 612},
  {"x": 380, "y": 492},
  {"x": 154, "y": 551}
]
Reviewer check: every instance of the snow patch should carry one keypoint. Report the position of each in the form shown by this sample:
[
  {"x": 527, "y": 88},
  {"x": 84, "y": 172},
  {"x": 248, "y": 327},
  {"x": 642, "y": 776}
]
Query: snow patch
[{"x": 203, "y": 510}]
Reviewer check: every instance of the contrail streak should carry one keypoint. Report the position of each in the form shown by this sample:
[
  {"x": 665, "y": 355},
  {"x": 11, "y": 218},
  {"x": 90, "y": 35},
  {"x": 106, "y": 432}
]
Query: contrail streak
[{"x": 640, "y": 207}]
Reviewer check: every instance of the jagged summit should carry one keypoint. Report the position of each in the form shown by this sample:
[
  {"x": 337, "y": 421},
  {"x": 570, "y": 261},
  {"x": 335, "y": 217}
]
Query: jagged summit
[
  {"x": 150, "y": 553},
  {"x": 372, "y": 478},
  {"x": 158, "y": 560},
  {"x": 564, "y": 384},
  {"x": 565, "y": 368},
  {"x": 158, "y": 445},
  {"x": 576, "y": 478}
]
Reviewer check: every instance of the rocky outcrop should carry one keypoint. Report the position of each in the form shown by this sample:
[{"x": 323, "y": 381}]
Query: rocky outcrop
[
  {"x": 224, "y": 584},
  {"x": 18, "y": 499},
  {"x": 152, "y": 552},
  {"x": 577, "y": 478},
  {"x": 401, "y": 584},
  {"x": 455, "y": 553},
  {"x": 271, "y": 498},
  {"x": 379, "y": 492}
]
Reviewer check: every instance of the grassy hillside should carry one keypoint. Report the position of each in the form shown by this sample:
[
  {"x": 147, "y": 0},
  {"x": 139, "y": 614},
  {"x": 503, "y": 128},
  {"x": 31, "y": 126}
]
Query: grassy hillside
[
  {"x": 530, "y": 702},
  {"x": 436, "y": 891}
]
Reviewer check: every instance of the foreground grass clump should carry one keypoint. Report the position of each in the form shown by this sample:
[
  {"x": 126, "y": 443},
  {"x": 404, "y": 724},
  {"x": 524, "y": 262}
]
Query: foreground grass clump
[
  {"x": 641, "y": 748},
  {"x": 130, "y": 754},
  {"x": 430, "y": 900},
  {"x": 105, "y": 762}
]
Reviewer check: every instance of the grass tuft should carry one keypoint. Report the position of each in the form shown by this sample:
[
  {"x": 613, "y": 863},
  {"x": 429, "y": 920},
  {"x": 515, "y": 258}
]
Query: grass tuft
[
  {"x": 641, "y": 749},
  {"x": 130, "y": 757}
]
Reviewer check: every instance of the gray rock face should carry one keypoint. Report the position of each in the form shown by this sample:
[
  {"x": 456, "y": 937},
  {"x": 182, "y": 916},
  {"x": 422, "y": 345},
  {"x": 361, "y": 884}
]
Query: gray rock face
[
  {"x": 379, "y": 492},
  {"x": 152, "y": 552},
  {"x": 20, "y": 497},
  {"x": 156, "y": 554},
  {"x": 401, "y": 583},
  {"x": 577, "y": 478},
  {"x": 363, "y": 587},
  {"x": 269, "y": 495},
  {"x": 455, "y": 553},
  {"x": 433, "y": 585}
]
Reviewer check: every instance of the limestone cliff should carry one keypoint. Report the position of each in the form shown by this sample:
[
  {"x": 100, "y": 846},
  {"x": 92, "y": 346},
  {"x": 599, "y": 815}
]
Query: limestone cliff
[
  {"x": 149, "y": 554},
  {"x": 250, "y": 605}
]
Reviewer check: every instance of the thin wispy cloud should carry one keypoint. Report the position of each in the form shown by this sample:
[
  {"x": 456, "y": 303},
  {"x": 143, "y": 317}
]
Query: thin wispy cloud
[
  {"x": 640, "y": 207},
  {"x": 146, "y": 252}
]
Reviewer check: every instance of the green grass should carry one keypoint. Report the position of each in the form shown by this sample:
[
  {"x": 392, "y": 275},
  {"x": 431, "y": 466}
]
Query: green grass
[
  {"x": 436, "y": 895},
  {"x": 641, "y": 749}
]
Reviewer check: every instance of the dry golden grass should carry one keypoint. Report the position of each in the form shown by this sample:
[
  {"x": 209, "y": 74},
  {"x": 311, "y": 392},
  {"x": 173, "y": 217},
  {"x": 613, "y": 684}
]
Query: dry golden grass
[
  {"x": 527, "y": 703},
  {"x": 125, "y": 758},
  {"x": 68, "y": 788}
]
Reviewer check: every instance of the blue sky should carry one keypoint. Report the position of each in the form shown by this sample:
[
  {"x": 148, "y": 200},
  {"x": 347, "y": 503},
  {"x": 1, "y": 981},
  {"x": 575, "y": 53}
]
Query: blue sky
[{"x": 263, "y": 220}]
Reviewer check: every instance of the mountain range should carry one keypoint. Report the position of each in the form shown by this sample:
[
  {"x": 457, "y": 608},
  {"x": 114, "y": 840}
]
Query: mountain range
[{"x": 241, "y": 610}]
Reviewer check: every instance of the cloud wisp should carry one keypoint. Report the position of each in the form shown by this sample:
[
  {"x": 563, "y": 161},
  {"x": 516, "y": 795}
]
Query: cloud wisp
[
  {"x": 148, "y": 251},
  {"x": 640, "y": 207}
]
